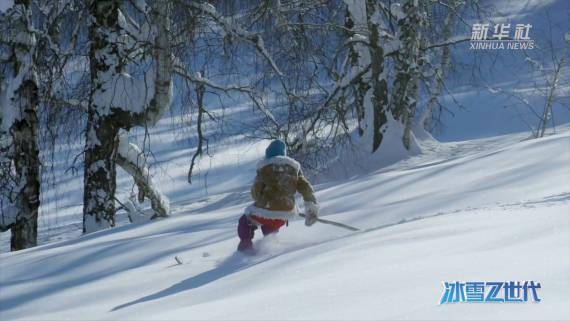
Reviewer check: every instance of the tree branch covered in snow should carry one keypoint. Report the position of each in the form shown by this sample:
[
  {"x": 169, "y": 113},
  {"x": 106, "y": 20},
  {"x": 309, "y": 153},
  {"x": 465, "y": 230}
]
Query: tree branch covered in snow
[
  {"x": 133, "y": 161},
  {"x": 122, "y": 101}
]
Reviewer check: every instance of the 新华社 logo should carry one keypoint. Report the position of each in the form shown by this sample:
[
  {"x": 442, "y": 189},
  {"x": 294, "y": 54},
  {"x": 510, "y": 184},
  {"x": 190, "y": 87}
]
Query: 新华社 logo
[
  {"x": 499, "y": 291},
  {"x": 485, "y": 36}
]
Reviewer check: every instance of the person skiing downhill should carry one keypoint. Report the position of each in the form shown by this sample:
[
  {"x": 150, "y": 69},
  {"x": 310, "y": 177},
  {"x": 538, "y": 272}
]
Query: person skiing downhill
[{"x": 277, "y": 181}]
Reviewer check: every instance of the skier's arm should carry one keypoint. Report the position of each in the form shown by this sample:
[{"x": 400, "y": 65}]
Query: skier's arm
[
  {"x": 257, "y": 188},
  {"x": 311, "y": 206},
  {"x": 305, "y": 188}
]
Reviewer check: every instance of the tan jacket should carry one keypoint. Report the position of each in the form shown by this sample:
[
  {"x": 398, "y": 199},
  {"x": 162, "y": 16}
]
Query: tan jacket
[{"x": 277, "y": 180}]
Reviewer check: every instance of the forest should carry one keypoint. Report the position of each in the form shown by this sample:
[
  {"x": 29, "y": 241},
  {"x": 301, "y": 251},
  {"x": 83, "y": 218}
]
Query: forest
[{"x": 284, "y": 159}]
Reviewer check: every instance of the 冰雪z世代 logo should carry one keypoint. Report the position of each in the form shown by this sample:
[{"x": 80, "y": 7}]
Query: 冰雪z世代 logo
[
  {"x": 484, "y": 36},
  {"x": 479, "y": 291}
]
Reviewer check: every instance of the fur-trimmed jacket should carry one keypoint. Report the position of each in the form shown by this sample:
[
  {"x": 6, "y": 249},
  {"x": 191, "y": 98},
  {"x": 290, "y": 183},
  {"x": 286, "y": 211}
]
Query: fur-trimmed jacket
[{"x": 278, "y": 179}]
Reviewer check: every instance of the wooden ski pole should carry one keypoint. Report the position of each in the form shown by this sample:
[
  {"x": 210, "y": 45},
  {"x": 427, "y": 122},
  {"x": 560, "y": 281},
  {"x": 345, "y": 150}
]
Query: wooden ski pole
[{"x": 348, "y": 227}]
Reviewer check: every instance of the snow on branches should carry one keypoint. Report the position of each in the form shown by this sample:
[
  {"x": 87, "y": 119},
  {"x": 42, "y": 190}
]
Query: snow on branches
[{"x": 121, "y": 100}]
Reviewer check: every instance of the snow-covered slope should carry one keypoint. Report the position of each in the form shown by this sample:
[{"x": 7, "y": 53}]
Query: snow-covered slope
[{"x": 493, "y": 209}]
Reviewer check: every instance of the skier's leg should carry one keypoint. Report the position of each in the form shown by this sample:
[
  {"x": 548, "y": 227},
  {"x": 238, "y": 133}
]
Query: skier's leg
[
  {"x": 246, "y": 232},
  {"x": 271, "y": 227},
  {"x": 266, "y": 230}
]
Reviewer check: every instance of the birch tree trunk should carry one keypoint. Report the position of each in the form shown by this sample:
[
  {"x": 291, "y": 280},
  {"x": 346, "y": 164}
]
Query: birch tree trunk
[
  {"x": 20, "y": 122},
  {"x": 437, "y": 83},
  {"x": 27, "y": 165},
  {"x": 377, "y": 77},
  {"x": 547, "y": 112},
  {"x": 115, "y": 103},
  {"x": 101, "y": 135},
  {"x": 371, "y": 90},
  {"x": 354, "y": 61},
  {"x": 405, "y": 90}
]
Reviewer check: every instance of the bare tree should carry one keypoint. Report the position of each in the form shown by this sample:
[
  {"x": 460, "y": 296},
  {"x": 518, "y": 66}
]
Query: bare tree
[
  {"x": 18, "y": 113},
  {"x": 437, "y": 73},
  {"x": 408, "y": 60},
  {"x": 378, "y": 81},
  {"x": 120, "y": 101},
  {"x": 552, "y": 81},
  {"x": 547, "y": 63}
]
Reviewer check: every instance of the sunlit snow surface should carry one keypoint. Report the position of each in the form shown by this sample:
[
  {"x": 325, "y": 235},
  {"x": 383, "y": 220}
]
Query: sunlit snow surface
[
  {"x": 496, "y": 208},
  {"x": 493, "y": 209}
]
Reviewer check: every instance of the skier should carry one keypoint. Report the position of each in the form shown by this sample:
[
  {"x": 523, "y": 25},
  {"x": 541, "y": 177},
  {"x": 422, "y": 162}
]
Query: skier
[{"x": 278, "y": 179}]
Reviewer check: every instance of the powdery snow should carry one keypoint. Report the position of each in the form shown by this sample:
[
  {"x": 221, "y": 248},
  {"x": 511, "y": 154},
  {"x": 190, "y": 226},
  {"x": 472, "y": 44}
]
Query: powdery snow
[
  {"x": 127, "y": 93},
  {"x": 492, "y": 210}
]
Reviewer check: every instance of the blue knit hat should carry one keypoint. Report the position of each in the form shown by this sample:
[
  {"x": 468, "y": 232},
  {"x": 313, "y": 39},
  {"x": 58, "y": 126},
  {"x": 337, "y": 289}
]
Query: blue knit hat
[{"x": 276, "y": 148}]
